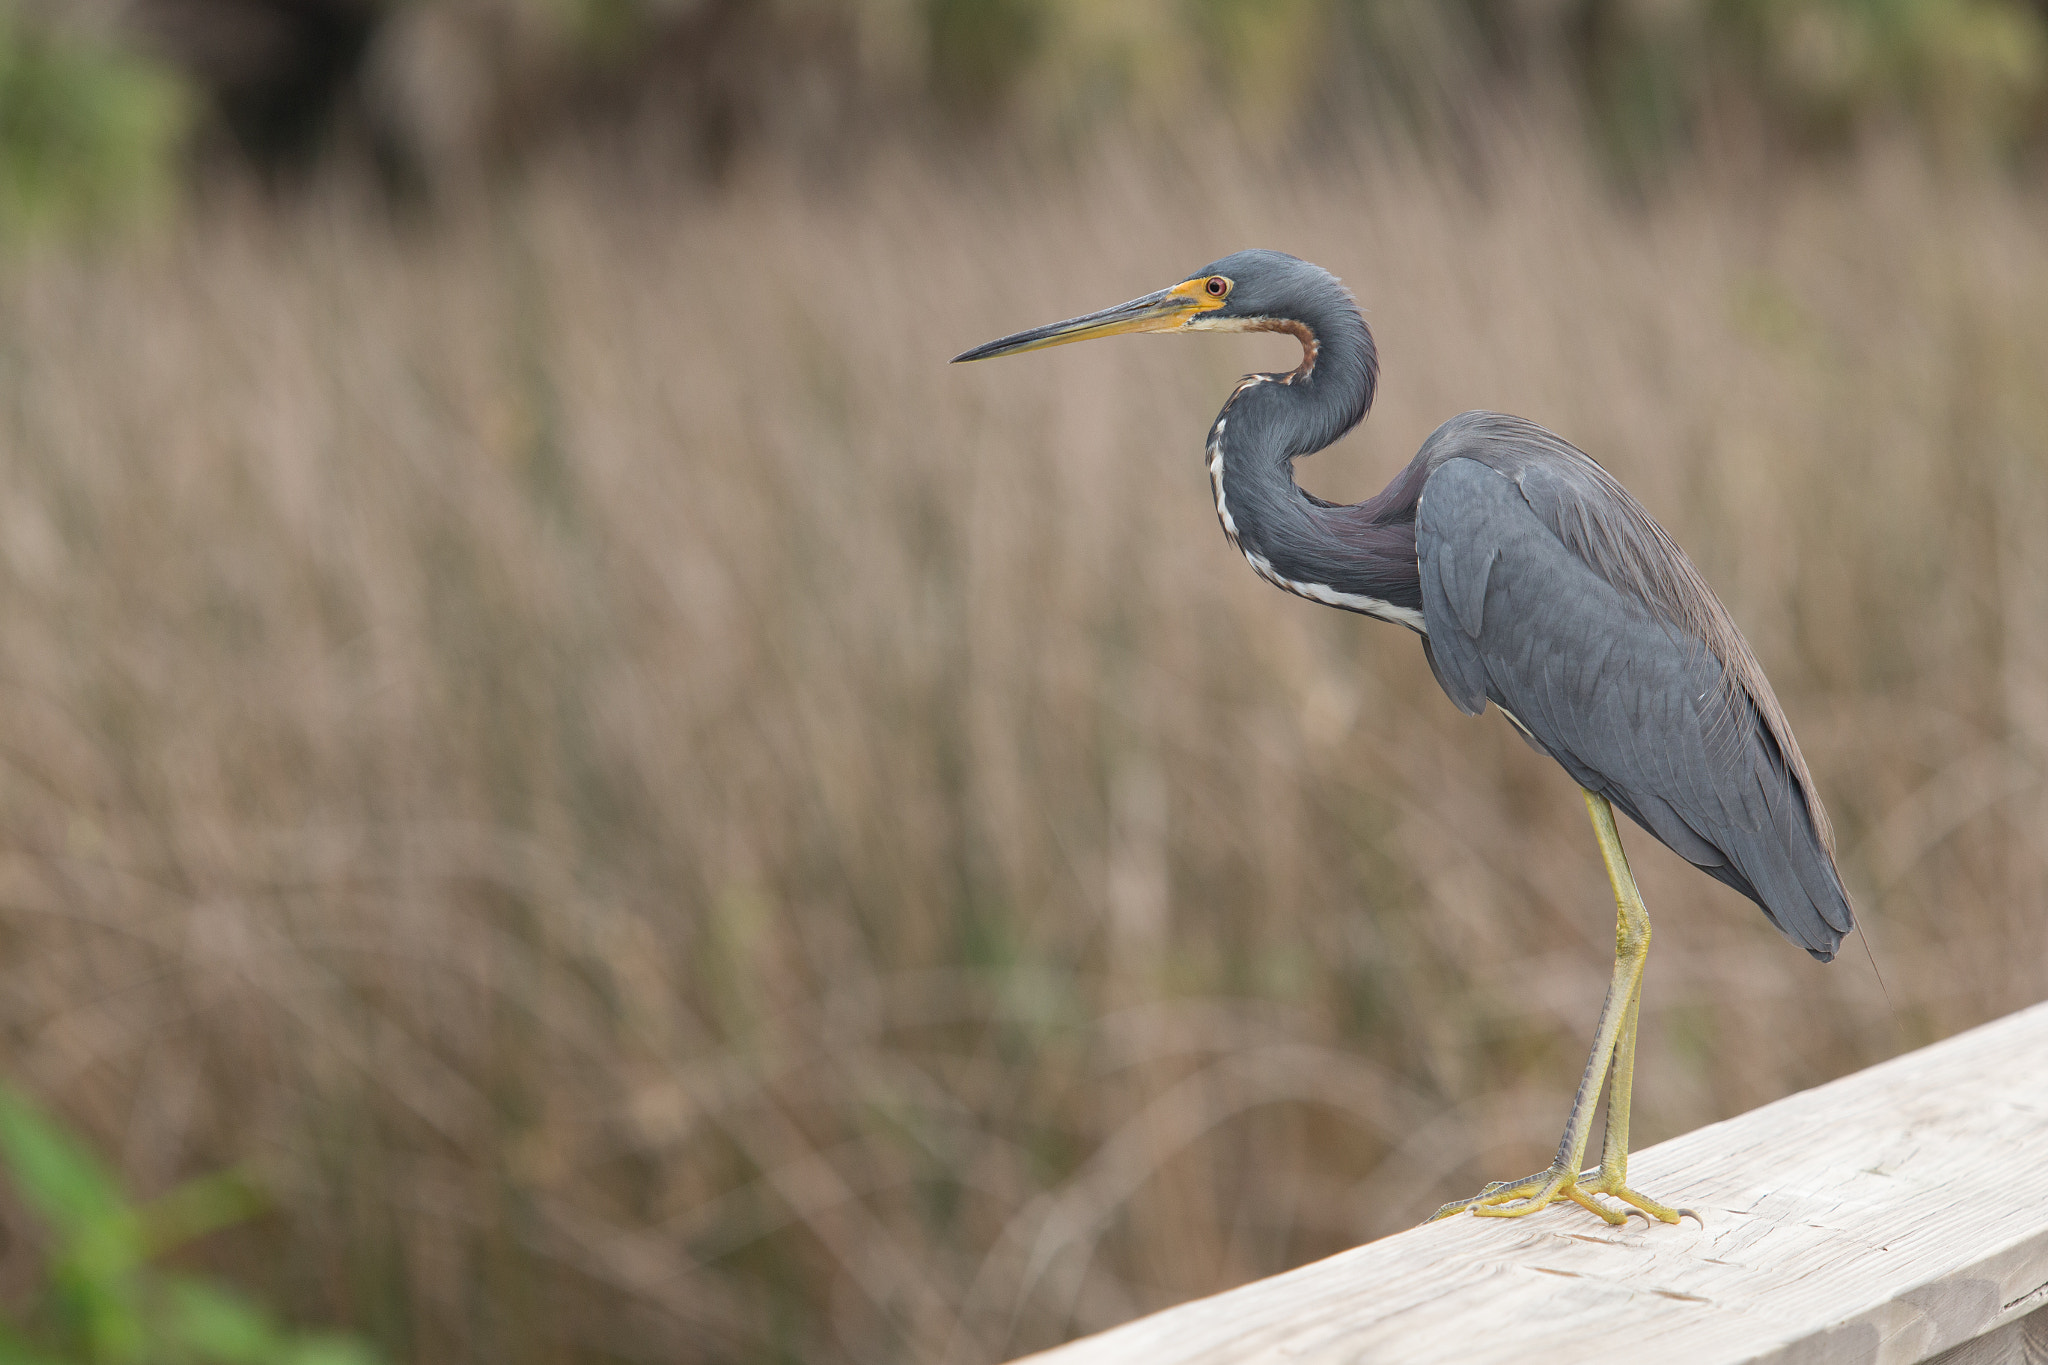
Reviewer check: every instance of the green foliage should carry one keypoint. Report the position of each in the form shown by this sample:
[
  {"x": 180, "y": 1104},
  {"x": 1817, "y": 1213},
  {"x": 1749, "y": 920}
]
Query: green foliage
[
  {"x": 89, "y": 135},
  {"x": 1970, "y": 74},
  {"x": 102, "y": 1301},
  {"x": 1968, "y": 71}
]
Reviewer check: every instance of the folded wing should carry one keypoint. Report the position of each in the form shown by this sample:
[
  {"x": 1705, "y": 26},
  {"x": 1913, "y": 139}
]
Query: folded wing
[{"x": 1542, "y": 596}]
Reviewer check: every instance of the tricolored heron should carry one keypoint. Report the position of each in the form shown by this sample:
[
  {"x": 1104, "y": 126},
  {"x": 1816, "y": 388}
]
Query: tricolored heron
[{"x": 1538, "y": 584}]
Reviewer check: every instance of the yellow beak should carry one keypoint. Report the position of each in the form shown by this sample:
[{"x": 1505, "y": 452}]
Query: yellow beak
[{"x": 1166, "y": 311}]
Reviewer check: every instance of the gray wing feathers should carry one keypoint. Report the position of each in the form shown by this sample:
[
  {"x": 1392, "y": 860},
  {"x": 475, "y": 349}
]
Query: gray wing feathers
[
  {"x": 1454, "y": 579},
  {"x": 1589, "y": 511},
  {"x": 1464, "y": 584},
  {"x": 1633, "y": 706}
]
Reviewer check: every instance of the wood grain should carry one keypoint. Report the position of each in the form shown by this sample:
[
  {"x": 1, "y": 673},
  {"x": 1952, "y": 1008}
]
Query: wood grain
[
  {"x": 2017, "y": 1343},
  {"x": 1888, "y": 1216}
]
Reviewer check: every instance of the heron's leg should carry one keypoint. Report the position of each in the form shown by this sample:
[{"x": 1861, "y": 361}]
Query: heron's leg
[
  {"x": 1613, "y": 1176},
  {"x": 1614, "y": 1147},
  {"x": 1614, "y": 1046}
]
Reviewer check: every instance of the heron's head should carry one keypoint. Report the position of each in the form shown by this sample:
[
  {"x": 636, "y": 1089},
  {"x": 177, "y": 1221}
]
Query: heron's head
[{"x": 1245, "y": 291}]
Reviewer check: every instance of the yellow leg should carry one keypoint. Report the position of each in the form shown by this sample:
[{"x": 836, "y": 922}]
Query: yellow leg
[
  {"x": 1614, "y": 1049},
  {"x": 1613, "y": 1177}
]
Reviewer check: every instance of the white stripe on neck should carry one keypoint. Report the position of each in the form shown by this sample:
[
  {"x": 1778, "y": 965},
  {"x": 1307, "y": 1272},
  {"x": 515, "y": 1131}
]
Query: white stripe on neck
[{"x": 1314, "y": 592}]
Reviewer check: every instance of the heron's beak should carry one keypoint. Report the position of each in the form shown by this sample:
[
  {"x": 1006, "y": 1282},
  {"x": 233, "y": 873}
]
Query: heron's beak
[{"x": 1166, "y": 311}]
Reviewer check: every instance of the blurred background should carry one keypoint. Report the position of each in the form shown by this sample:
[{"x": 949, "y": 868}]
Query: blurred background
[{"x": 545, "y": 731}]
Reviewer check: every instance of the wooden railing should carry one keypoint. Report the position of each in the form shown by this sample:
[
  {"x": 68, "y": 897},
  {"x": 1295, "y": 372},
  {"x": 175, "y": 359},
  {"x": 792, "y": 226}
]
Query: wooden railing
[{"x": 1899, "y": 1214}]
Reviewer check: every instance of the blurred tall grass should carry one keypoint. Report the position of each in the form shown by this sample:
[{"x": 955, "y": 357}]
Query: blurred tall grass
[{"x": 669, "y": 825}]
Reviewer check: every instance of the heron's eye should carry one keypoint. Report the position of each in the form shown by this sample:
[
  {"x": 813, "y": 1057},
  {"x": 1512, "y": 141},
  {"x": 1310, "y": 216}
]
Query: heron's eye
[{"x": 1218, "y": 287}]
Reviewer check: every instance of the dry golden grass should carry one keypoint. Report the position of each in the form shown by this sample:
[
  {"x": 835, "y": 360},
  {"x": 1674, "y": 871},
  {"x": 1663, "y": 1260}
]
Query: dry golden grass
[{"x": 673, "y": 826}]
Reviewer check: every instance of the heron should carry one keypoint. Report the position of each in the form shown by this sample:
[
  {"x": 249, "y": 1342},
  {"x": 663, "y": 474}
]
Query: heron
[{"x": 1536, "y": 583}]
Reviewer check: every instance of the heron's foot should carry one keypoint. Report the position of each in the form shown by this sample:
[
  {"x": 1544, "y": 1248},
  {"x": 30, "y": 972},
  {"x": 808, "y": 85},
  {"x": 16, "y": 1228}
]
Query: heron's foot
[
  {"x": 1520, "y": 1198},
  {"x": 1614, "y": 1184}
]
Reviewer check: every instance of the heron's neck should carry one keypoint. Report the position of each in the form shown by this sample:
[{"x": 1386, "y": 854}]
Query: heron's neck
[{"x": 1360, "y": 557}]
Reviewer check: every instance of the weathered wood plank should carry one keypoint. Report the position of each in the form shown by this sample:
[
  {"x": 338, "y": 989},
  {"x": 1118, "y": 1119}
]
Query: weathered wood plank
[
  {"x": 2017, "y": 1343},
  {"x": 1888, "y": 1216}
]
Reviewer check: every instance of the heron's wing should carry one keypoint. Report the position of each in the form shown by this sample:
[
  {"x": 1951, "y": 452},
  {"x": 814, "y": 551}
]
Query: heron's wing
[
  {"x": 1632, "y": 706},
  {"x": 1587, "y": 508}
]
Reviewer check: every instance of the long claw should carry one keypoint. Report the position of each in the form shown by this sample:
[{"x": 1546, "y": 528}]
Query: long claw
[
  {"x": 1594, "y": 1206},
  {"x": 1648, "y": 1207}
]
